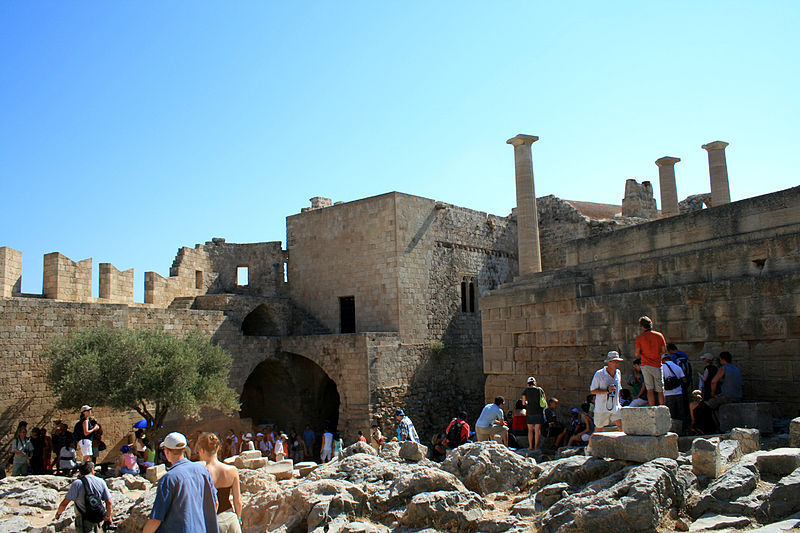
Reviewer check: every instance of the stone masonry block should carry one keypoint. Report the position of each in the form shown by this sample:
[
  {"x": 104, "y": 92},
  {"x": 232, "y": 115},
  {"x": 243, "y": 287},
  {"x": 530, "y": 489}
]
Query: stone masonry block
[
  {"x": 781, "y": 462},
  {"x": 706, "y": 457},
  {"x": 749, "y": 439},
  {"x": 640, "y": 449},
  {"x": 756, "y": 415},
  {"x": 649, "y": 421},
  {"x": 794, "y": 433},
  {"x": 256, "y": 462},
  {"x": 154, "y": 473},
  {"x": 251, "y": 454}
]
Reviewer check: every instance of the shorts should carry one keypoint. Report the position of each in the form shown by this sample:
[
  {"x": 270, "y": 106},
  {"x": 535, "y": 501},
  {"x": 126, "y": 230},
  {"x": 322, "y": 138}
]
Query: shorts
[
  {"x": 228, "y": 522},
  {"x": 85, "y": 446},
  {"x": 653, "y": 378},
  {"x": 488, "y": 433},
  {"x": 606, "y": 418},
  {"x": 326, "y": 455},
  {"x": 534, "y": 418}
]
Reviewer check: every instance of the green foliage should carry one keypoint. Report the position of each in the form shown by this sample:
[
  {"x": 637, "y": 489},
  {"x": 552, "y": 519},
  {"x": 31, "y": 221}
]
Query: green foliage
[
  {"x": 147, "y": 370},
  {"x": 436, "y": 347}
]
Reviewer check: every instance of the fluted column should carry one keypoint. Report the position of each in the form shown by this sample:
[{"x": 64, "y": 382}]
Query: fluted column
[
  {"x": 718, "y": 171},
  {"x": 666, "y": 181},
  {"x": 530, "y": 259}
]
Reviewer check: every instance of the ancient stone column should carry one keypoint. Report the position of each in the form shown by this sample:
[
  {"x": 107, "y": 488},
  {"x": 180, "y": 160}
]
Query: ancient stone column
[
  {"x": 718, "y": 170},
  {"x": 530, "y": 260},
  {"x": 669, "y": 191}
]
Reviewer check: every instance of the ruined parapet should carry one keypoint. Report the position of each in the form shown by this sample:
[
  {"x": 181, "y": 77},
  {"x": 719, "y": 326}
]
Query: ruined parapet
[
  {"x": 65, "y": 279},
  {"x": 639, "y": 201},
  {"x": 318, "y": 202},
  {"x": 694, "y": 202},
  {"x": 160, "y": 291},
  {"x": 10, "y": 272},
  {"x": 116, "y": 286}
]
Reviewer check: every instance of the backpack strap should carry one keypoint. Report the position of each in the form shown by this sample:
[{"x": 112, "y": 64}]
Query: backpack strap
[{"x": 86, "y": 492}]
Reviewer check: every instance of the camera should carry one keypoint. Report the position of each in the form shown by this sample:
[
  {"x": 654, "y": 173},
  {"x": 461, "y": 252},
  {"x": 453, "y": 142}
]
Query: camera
[{"x": 108, "y": 526}]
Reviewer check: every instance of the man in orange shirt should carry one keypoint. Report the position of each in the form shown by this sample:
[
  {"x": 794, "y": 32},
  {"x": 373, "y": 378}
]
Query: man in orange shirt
[{"x": 649, "y": 347}]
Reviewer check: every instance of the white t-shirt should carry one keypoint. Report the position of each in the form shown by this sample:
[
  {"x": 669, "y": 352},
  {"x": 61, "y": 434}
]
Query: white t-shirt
[
  {"x": 66, "y": 458},
  {"x": 605, "y": 403},
  {"x": 327, "y": 441},
  {"x": 670, "y": 369}
]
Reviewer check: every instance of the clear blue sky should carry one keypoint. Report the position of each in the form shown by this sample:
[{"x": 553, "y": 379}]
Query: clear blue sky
[{"x": 129, "y": 129}]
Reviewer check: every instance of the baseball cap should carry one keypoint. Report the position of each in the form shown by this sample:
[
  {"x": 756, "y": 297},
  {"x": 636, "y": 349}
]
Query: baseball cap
[
  {"x": 531, "y": 379},
  {"x": 613, "y": 355},
  {"x": 86, "y": 408},
  {"x": 249, "y": 435},
  {"x": 708, "y": 356},
  {"x": 174, "y": 441},
  {"x": 399, "y": 412},
  {"x": 575, "y": 410}
]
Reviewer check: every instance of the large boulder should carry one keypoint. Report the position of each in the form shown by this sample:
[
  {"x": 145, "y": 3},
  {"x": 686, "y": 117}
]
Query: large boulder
[
  {"x": 487, "y": 467},
  {"x": 639, "y": 449},
  {"x": 729, "y": 494},
  {"x": 413, "y": 451},
  {"x": 357, "y": 447},
  {"x": 255, "y": 480},
  {"x": 649, "y": 421},
  {"x": 794, "y": 433},
  {"x": 636, "y": 503},
  {"x": 444, "y": 510},
  {"x": 784, "y": 499},
  {"x": 706, "y": 457},
  {"x": 780, "y": 462},
  {"x": 575, "y": 471},
  {"x": 139, "y": 512},
  {"x": 749, "y": 439}
]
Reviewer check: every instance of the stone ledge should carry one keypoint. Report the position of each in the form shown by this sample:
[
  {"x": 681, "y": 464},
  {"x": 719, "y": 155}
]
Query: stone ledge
[
  {"x": 636, "y": 448},
  {"x": 646, "y": 421},
  {"x": 755, "y": 415}
]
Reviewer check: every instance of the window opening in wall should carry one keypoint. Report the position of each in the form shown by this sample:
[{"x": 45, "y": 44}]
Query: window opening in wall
[
  {"x": 242, "y": 276},
  {"x": 347, "y": 314},
  {"x": 471, "y": 296},
  {"x": 285, "y": 272},
  {"x": 198, "y": 279},
  {"x": 464, "y": 296}
]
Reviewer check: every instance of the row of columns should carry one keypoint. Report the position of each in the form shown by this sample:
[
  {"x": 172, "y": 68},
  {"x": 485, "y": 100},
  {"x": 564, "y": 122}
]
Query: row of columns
[
  {"x": 717, "y": 170},
  {"x": 530, "y": 259}
]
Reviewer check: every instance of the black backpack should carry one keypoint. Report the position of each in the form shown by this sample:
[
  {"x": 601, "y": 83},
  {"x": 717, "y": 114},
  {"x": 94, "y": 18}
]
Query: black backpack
[
  {"x": 95, "y": 508},
  {"x": 77, "y": 431},
  {"x": 454, "y": 435}
]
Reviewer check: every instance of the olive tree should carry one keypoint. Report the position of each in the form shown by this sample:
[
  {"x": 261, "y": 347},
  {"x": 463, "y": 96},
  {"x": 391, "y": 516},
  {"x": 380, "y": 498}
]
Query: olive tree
[{"x": 147, "y": 370}]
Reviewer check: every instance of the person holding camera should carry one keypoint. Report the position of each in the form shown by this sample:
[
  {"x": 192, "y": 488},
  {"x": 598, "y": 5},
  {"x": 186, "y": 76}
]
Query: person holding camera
[
  {"x": 92, "y": 500},
  {"x": 606, "y": 386}
]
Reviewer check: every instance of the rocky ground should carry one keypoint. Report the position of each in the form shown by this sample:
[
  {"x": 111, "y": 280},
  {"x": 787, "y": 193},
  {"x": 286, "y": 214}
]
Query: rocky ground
[{"x": 480, "y": 487}]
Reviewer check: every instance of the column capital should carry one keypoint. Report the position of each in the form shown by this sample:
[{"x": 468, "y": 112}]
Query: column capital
[
  {"x": 522, "y": 139},
  {"x": 667, "y": 161},
  {"x": 716, "y": 145}
]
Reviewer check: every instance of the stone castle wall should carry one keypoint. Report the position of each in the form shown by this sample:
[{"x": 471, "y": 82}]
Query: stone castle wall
[{"x": 726, "y": 278}]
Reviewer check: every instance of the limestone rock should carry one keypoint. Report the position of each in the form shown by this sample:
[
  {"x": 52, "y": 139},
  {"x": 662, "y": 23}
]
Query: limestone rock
[
  {"x": 648, "y": 421},
  {"x": 15, "y": 524},
  {"x": 749, "y": 439},
  {"x": 306, "y": 467},
  {"x": 136, "y": 482},
  {"x": 636, "y": 503},
  {"x": 781, "y": 462},
  {"x": 618, "y": 445},
  {"x": 154, "y": 473},
  {"x": 794, "y": 433},
  {"x": 486, "y": 467},
  {"x": 706, "y": 458},
  {"x": 358, "y": 447},
  {"x": 391, "y": 450},
  {"x": 445, "y": 510},
  {"x": 139, "y": 512},
  {"x": 255, "y": 480},
  {"x": 412, "y": 451},
  {"x": 253, "y": 463},
  {"x": 250, "y": 454},
  {"x": 117, "y": 483},
  {"x": 710, "y": 521},
  {"x": 40, "y": 497},
  {"x": 543, "y": 499},
  {"x": 785, "y": 496},
  {"x": 575, "y": 471},
  {"x": 730, "y": 494},
  {"x": 730, "y": 451}
]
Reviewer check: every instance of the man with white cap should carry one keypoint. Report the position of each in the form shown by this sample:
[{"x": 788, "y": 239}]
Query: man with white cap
[
  {"x": 605, "y": 387},
  {"x": 186, "y": 499}
]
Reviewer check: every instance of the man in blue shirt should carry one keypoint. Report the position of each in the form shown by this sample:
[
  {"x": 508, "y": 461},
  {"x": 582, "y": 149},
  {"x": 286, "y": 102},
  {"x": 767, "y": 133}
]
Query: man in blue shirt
[
  {"x": 405, "y": 428},
  {"x": 77, "y": 494},
  {"x": 186, "y": 500},
  {"x": 492, "y": 421},
  {"x": 731, "y": 388}
]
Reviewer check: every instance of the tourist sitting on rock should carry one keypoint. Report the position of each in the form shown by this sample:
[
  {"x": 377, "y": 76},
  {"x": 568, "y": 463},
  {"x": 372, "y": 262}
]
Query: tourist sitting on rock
[
  {"x": 568, "y": 431},
  {"x": 126, "y": 462},
  {"x": 66, "y": 458},
  {"x": 519, "y": 424},
  {"x": 226, "y": 481},
  {"x": 87, "y": 517},
  {"x": 405, "y": 429},
  {"x": 707, "y": 376},
  {"x": 579, "y": 435},
  {"x": 457, "y": 432},
  {"x": 636, "y": 382},
  {"x": 606, "y": 386},
  {"x": 727, "y": 383},
  {"x": 625, "y": 397},
  {"x": 148, "y": 457},
  {"x": 702, "y": 416},
  {"x": 438, "y": 449},
  {"x": 491, "y": 422},
  {"x": 552, "y": 427}
]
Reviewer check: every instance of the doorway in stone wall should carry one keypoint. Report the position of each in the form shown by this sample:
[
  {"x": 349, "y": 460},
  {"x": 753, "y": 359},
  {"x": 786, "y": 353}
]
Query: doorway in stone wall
[{"x": 291, "y": 391}]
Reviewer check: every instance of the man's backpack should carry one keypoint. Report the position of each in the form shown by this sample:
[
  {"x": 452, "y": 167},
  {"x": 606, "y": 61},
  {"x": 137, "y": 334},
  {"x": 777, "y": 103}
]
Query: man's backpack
[
  {"x": 454, "y": 437},
  {"x": 682, "y": 360},
  {"x": 77, "y": 432},
  {"x": 95, "y": 511}
]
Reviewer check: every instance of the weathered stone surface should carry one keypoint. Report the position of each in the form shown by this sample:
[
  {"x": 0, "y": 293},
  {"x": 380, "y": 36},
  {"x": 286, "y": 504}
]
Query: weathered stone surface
[
  {"x": 251, "y": 454},
  {"x": 749, "y": 439},
  {"x": 794, "y": 433},
  {"x": 15, "y": 524},
  {"x": 547, "y": 496},
  {"x": 139, "y": 512},
  {"x": 757, "y": 415},
  {"x": 40, "y": 497},
  {"x": 255, "y": 480},
  {"x": 575, "y": 471},
  {"x": 706, "y": 458},
  {"x": 135, "y": 482},
  {"x": 784, "y": 499},
  {"x": 730, "y": 494},
  {"x": 154, "y": 473},
  {"x": 781, "y": 462},
  {"x": 730, "y": 451},
  {"x": 710, "y": 521},
  {"x": 637, "y": 503},
  {"x": 648, "y": 421},
  {"x": 357, "y": 447},
  {"x": 487, "y": 467},
  {"x": 412, "y": 451},
  {"x": 445, "y": 510},
  {"x": 306, "y": 467},
  {"x": 252, "y": 464},
  {"x": 618, "y": 445}
]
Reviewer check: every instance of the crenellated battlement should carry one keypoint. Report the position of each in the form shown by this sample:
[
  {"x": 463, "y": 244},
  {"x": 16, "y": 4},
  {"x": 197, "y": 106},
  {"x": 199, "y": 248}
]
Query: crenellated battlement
[{"x": 10, "y": 272}]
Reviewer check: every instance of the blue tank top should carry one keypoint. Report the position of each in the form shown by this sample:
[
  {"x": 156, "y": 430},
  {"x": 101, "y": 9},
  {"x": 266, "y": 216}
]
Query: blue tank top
[{"x": 732, "y": 382}]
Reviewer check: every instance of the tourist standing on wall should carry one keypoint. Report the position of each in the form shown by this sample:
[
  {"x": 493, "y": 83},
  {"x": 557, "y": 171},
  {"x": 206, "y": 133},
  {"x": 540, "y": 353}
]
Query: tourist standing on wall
[
  {"x": 649, "y": 347},
  {"x": 605, "y": 387},
  {"x": 84, "y": 431},
  {"x": 226, "y": 481},
  {"x": 186, "y": 499},
  {"x": 89, "y": 516},
  {"x": 406, "y": 429},
  {"x": 534, "y": 400}
]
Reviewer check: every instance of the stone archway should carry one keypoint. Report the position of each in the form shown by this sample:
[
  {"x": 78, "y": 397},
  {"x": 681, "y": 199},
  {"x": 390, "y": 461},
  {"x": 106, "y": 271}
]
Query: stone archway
[
  {"x": 291, "y": 391},
  {"x": 261, "y": 322}
]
